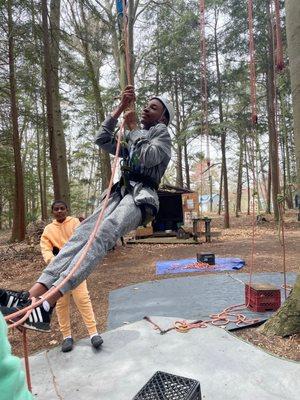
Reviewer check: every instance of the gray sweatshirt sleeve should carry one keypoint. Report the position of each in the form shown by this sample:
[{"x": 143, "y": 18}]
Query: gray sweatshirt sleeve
[{"x": 105, "y": 137}]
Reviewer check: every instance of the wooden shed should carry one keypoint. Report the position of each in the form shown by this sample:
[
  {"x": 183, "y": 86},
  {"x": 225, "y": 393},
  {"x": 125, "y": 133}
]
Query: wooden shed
[{"x": 177, "y": 208}]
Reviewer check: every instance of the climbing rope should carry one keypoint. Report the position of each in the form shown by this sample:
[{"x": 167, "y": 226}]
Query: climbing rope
[
  {"x": 126, "y": 41},
  {"x": 280, "y": 201},
  {"x": 252, "y": 63},
  {"x": 86, "y": 248},
  {"x": 279, "y": 67},
  {"x": 25, "y": 312},
  {"x": 229, "y": 315},
  {"x": 204, "y": 97}
]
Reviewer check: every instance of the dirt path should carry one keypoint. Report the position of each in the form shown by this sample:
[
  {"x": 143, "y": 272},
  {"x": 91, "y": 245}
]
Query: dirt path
[{"x": 21, "y": 265}]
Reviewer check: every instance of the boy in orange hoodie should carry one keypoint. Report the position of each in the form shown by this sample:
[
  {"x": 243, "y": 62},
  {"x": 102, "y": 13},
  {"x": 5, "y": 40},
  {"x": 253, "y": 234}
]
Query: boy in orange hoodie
[{"x": 55, "y": 235}]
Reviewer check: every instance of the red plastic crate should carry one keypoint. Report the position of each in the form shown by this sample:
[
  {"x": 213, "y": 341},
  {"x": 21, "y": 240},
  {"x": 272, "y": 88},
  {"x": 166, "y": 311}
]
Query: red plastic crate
[{"x": 262, "y": 297}]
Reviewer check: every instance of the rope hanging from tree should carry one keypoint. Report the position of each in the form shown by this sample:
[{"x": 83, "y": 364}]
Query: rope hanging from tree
[
  {"x": 204, "y": 102},
  {"x": 203, "y": 72},
  {"x": 252, "y": 64}
]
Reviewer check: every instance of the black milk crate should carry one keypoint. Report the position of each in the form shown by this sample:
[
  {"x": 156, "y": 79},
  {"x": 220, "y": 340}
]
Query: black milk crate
[
  {"x": 208, "y": 258},
  {"x": 165, "y": 386}
]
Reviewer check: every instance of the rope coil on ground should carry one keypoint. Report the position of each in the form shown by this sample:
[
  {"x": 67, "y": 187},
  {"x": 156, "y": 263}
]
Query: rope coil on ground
[{"x": 228, "y": 315}]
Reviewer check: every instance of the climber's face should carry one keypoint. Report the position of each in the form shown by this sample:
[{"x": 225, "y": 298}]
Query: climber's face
[{"x": 153, "y": 114}]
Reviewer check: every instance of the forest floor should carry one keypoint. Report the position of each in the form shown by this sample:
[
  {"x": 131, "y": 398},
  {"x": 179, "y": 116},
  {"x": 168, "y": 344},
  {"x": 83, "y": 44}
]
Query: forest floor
[{"x": 22, "y": 263}]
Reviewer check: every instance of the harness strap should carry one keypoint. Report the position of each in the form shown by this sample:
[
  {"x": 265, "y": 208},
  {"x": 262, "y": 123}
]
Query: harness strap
[{"x": 129, "y": 175}]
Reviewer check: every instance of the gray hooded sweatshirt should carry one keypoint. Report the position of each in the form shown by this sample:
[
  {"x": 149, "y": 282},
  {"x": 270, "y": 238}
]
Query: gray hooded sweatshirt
[{"x": 148, "y": 153}]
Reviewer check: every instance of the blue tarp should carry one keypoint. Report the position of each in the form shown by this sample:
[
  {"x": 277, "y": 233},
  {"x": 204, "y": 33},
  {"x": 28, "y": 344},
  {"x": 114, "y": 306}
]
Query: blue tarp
[{"x": 187, "y": 264}]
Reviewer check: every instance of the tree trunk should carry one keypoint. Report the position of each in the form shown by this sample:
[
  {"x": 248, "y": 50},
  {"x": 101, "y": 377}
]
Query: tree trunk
[
  {"x": 186, "y": 166},
  {"x": 40, "y": 146},
  {"x": 264, "y": 181},
  {"x": 49, "y": 100},
  {"x": 223, "y": 133},
  {"x": 293, "y": 41},
  {"x": 91, "y": 72},
  {"x": 179, "y": 174},
  {"x": 18, "y": 230},
  {"x": 286, "y": 321},
  {"x": 1, "y": 209},
  {"x": 44, "y": 169},
  {"x": 61, "y": 153},
  {"x": 239, "y": 186},
  {"x": 286, "y": 152},
  {"x": 220, "y": 191},
  {"x": 268, "y": 206},
  {"x": 131, "y": 20},
  {"x": 273, "y": 140}
]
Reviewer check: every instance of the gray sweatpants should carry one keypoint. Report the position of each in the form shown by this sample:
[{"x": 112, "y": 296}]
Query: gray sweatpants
[{"x": 121, "y": 216}]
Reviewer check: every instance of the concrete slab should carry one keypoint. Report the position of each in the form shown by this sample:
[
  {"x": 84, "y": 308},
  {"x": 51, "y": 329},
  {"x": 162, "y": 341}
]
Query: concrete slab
[
  {"x": 226, "y": 367},
  {"x": 193, "y": 297}
]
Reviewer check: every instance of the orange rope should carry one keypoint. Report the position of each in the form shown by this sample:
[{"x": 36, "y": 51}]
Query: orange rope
[
  {"x": 228, "y": 315},
  {"x": 279, "y": 64},
  {"x": 26, "y": 358},
  {"x": 25, "y": 312},
  {"x": 254, "y": 122},
  {"x": 203, "y": 72},
  {"x": 252, "y": 63}
]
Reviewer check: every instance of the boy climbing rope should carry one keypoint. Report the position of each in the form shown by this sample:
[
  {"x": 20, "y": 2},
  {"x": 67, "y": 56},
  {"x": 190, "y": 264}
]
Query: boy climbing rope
[
  {"x": 133, "y": 201},
  {"x": 55, "y": 235}
]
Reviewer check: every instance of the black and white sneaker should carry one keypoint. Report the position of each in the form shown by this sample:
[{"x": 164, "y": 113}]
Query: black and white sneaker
[
  {"x": 12, "y": 298},
  {"x": 38, "y": 320}
]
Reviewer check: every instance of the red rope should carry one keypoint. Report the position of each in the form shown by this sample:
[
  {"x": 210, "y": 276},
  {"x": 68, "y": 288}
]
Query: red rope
[
  {"x": 252, "y": 64},
  {"x": 228, "y": 315},
  {"x": 278, "y": 67},
  {"x": 203, "y": 74},
  {"x": 25, "y": 312},
  {"x": 26, "y": 358}
]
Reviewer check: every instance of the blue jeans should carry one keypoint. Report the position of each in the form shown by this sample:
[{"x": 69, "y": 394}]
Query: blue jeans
[{"x": 121, "y": 216}]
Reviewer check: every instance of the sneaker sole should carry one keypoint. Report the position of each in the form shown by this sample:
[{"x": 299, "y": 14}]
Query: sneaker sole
[{"x": 39, "y": 327}]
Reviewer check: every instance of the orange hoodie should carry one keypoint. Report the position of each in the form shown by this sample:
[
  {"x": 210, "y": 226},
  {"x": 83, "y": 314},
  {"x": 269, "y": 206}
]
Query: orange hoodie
[{"x": 57, "y": 234}]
